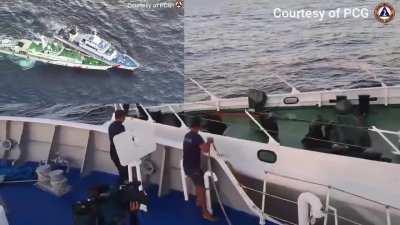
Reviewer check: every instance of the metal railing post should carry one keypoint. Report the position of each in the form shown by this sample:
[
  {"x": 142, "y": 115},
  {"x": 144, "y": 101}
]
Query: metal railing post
[
  {"x": 388, "y": 219},
  {"x": 264, "y": 195},
  {"x": 271, "y": 140},
  {"x": 327, "y": 201}
]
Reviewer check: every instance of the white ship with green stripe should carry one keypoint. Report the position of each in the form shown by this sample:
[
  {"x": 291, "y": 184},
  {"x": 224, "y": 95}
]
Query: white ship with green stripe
[{"x": 50, "y": 52}]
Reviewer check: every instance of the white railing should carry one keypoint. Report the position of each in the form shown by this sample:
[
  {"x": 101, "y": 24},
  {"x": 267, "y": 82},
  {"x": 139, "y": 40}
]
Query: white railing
[
  {"x": 382, "y": 133},
  {"x": 271, "y": 140},
  {"x": 386, "y": 208}
]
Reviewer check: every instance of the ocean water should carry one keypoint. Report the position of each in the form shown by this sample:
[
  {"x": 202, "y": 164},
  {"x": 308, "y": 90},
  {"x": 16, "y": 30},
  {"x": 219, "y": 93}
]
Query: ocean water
[
  {"x": 234, "y": 45},
  {"x": 153, "y": 36},
  {"x": 229, "y": 47}
]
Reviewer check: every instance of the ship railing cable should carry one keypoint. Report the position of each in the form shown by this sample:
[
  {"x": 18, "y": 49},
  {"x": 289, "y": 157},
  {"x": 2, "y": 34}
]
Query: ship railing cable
[
  {"x": 271, "y": 139},
  {"x": 219, "y": 199},
  {"x": 244, "y": 187},
  {"x": 250, "y": 203},
  {"x": 212, "y": 96},
  {"x": 334, "y": 188},
  {"x": 216, "y": 190},
  {"x": 294, "y": 203},
  {"x": 294, "y": 89},
  {"x": 386, "y": 206},
  {"x": 373, "y": 75}
]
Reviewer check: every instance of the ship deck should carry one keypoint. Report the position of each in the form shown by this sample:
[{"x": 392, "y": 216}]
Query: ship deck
[{"x": 26, "y": 204}]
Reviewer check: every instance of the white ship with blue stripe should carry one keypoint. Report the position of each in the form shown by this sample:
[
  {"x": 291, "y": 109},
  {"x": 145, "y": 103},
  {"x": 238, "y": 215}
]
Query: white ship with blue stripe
[{"x": 97, "y": 47}]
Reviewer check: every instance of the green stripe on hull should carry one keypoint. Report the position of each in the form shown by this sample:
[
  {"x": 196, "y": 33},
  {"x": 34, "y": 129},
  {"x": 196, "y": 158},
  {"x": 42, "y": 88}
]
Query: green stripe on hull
[
  {"x": 58, "y": 51},
  {"x": 294, "y": 124}
]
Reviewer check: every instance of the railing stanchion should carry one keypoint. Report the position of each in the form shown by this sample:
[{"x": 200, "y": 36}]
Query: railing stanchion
[
  {"x": 388, "y": 219},
  {"x": 264, "y": 195},
  {"x": 327, "y": 202}
]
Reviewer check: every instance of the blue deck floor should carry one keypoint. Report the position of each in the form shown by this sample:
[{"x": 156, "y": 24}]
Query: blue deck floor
[{"x": 28, "y": 205}]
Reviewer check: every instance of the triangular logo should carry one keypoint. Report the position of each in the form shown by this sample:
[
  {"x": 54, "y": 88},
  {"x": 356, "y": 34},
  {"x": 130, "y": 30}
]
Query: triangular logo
[{"x": 384, "y": 12}]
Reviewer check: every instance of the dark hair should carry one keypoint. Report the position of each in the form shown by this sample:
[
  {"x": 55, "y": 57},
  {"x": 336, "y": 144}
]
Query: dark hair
[
  {"x": 119, "y": 114},
  {"x": 196, "y": 122}
]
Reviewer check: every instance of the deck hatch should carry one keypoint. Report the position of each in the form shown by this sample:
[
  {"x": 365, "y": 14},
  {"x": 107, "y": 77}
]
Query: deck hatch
[{"x": 266, "y": 156}]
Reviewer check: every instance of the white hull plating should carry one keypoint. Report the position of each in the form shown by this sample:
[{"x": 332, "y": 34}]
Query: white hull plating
[
  {"x": 85, "y": 146},
  {"x": 362, "y": 190},
  {"x": 96, "y": 56},
  {"x": 386, "y": 95},
  {"x": 356, "y": 176},
  {"x": 56, "y": 62}
]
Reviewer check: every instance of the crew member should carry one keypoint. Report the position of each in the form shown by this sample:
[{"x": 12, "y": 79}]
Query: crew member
[
  {"x": 114, "y": 129},
  {"x": 193, "y": 145}
]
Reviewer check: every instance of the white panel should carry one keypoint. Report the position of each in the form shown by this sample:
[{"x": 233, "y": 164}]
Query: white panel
[
  {"x": 35, "y": 151},
  {"x": 15, "y": 130},
  {"x": 72, "y": 136},
  {"x": 3, "y": 129},
  {"x": 136, "y": 142},
  {"x": 36, "y": 142},
  {"x": 102, "y": 162},
  {"x": 101, "y": 141},
  {"x": 97, "y": 154},
  {"x": 39, "y": 132}
]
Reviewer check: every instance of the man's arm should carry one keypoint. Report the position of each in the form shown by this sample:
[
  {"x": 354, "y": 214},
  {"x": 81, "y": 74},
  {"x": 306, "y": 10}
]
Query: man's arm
[{"x": 205, "y": 147}]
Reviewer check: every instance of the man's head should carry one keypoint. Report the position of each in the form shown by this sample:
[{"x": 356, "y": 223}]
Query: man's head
[
  {"x": 120, "y": 115},
  {"x": 195, "y": 124}
]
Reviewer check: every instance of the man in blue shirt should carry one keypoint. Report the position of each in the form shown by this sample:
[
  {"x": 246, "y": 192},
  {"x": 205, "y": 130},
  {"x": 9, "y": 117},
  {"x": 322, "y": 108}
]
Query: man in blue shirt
[
  {"x": 193, "y": 145},
  {"x": 114, "y": 129}
]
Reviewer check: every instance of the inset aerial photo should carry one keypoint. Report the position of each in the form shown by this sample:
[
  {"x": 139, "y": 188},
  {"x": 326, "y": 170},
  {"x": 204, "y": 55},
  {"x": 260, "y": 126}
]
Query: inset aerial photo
[{"x": 80, "y": 52}]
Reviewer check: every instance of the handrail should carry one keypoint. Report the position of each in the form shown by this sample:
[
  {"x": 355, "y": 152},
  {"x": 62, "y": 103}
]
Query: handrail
[
  {"x": 250, "y": 204},
  {"x": 294, "y": 89},
  {"x": 295, "y": 203},
  {"x": 178, "y": 117},
  {"x": 395, "y": 151},
  {"x": 327, "y": 206},
  {"x": 212, "y": 96},
  {"x": 215, "y": 102},
  {"x": 271, "y": 140},
  {"x": 334, "y": 188}
]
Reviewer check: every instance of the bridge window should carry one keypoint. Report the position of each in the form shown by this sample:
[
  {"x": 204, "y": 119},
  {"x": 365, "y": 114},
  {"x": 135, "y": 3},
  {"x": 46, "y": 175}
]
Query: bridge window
[{"x": 267, "y": 156}]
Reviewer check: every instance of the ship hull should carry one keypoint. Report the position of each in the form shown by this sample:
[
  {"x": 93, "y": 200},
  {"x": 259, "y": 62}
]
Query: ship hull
[
  {"x": 113, "y": 64},
  {"x": 361, "y": 190},
  {"x": 55, "y": 62},
  {"x": 87, "y": 147}
]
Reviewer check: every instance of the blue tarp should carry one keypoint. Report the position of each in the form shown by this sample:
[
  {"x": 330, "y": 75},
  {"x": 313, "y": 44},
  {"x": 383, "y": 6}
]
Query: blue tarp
[{"x": 14, "y": 173}]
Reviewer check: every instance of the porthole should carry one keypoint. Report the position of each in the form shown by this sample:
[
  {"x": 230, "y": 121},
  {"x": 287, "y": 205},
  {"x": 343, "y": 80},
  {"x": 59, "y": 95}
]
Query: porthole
[
  {"x": 267, "y": 156},
  {"x": 291, "y": 100}
]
